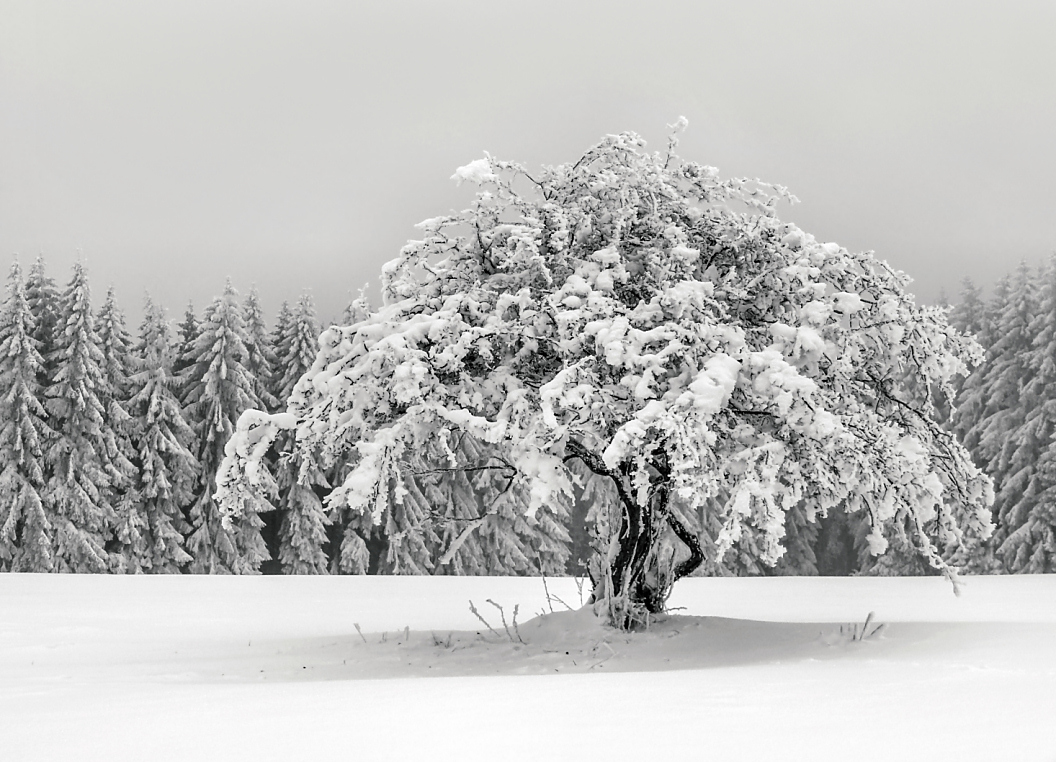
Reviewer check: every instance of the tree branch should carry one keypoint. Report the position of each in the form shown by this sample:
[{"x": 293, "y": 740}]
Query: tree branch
[{"x": 696, "y": 553}]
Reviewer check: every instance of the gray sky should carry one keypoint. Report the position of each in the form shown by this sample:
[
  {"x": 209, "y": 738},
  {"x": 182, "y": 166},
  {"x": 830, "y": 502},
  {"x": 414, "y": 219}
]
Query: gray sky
[{"x": 295, "y": 144}]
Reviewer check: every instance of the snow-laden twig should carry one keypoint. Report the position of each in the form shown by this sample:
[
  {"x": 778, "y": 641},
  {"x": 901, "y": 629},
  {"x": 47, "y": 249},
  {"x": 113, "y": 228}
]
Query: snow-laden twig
[
  {"x": 550, "y": 598},
  {"x": 516, "y": 629},
  {"x": 482, "y": 619},
  {"x": 502, "y": 615}
]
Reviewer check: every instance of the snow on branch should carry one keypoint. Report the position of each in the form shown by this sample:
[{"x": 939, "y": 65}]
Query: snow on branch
[{"x": 244, "y": 480}]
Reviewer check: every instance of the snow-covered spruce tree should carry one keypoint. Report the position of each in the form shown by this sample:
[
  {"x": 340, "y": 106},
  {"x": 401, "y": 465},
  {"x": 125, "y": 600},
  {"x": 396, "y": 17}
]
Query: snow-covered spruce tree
[
  {"x": 43, "y": 299},
  {"x": 85, "y": 466},
  {"x": 1001, "y": 450},
  {"x": 303, "y": 518},
  {"x": 1025, "y": 511},
  {"x": 280, "y": 342},
  {"x": 167, "y": 469},
  {"x": 187, "y": 336},
  {"x": 260, "y": 355},
  {"x": 128, "y": 549},
  {"x": 969, "y": 315},
  {"x": 296, "y": 347},
  {"x": 218, "y": 388},
  {"x": 665, "y": 328},
  {"x": 25, "y": 532},
  {"x": 979, "y": 398},
  {"x": 973, "y": 406}
]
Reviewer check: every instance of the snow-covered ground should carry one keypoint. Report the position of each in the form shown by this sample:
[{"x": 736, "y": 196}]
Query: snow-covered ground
[{"x": 274, "y": 668}]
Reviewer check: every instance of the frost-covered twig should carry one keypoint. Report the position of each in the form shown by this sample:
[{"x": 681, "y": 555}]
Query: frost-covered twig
[
  {"x": 502, "y": 615},
  {"x": 550, "y": 598},
  {"x": 516, "y": 629},
  {"x": 482, "y": 619},
  {"x": 580, "y": 581}
]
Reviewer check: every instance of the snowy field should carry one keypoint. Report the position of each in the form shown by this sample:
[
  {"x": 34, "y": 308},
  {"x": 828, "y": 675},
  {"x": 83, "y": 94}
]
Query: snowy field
[{"x": 273, "y": 668}]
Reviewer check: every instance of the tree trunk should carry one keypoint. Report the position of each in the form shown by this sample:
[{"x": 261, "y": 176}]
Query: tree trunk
[{"x": 634, "y": 581}]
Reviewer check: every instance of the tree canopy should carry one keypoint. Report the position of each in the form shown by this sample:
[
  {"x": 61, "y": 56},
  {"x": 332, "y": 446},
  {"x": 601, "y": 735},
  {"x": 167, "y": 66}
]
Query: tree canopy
[{"x": 634, "y": 314}]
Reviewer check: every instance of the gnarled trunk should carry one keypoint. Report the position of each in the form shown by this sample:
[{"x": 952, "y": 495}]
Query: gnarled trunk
[{"x": 634, "y": 581}]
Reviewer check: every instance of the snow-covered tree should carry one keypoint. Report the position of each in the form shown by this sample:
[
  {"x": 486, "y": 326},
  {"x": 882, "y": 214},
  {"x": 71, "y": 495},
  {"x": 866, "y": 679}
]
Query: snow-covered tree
[
  {"x": 296, "y": 347},
  {"x": 1002, "y": 448},
  {"x": 1025, "y": 480},
  {"x": 167, "y": 469},
  {"x": 280, "y": 342},
  {"x": 636, "y": 313},
  {"x": 302, "y": 517},
  {"x": 129, "y": 545},
  {"x": 187, "y": 336},
  {"x": 969, "y": 315},
  {"x": 260, "y": 356},
  {"x": 43, "y": 298},
  {"x": 83, "y": 459},
  {"x": 25, "y": 531},
  {"x": 219, "y": 387},
  {"x": 973, "y": 403},
  {"x": 357, "y": 309}
]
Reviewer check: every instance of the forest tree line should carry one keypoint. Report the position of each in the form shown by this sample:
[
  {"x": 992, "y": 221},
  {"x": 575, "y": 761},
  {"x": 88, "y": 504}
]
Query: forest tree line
[
  {"x": 1006, "y": 415},
  {"x": 110, "y": 445}
]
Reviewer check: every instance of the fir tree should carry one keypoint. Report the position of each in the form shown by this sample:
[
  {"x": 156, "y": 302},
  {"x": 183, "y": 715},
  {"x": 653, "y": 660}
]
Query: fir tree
[
  {"x": 302, "y": 531},
  {"x": 973, "y": 399},
  {"x": 303, "y": 519},
  {"x": 298, "y": 346},
  {"x": 970, "y": 314},
  {"x": 188, "y": 335},
  {"x": 801, "y": 537},
  {"x": 43, "y": 299},
  {"x": 1005, "y": 449},
  {"x": 1029, "y": 528},
  {"x": 218, "y": 388},
  {"x": 1026, "y": 487},
  {"x": 128, "y": 551},
  {"x": 280, "y": 341},
  {"x": 81, "y": 470},
  {"x": 167, "y": 468},
  {"x": 260, "y": 356},
  {"x": 25, "y": 532}
]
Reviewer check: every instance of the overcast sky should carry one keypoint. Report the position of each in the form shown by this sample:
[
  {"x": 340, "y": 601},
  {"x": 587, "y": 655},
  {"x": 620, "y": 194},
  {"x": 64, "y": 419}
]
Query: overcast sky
[{"x": 295, "y": 144}]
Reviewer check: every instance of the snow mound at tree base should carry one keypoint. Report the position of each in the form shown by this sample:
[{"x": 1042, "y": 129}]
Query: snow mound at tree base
[
  {"x": 572, "y": 642},
  {"x": 577, "y": 642}
]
